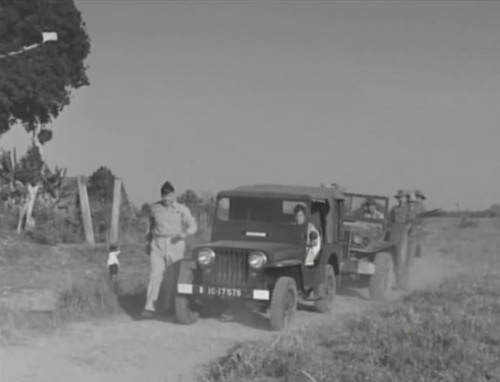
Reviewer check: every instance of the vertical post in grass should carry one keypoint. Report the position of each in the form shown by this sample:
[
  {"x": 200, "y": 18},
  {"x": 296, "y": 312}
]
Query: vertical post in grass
[
  {"x": 115, "y": 214},
  {"x": 85, "y": 207}
]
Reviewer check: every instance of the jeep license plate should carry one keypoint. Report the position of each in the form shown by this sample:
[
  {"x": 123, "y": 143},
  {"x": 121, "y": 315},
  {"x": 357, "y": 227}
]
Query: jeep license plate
[{"x": 224, "y": 292}]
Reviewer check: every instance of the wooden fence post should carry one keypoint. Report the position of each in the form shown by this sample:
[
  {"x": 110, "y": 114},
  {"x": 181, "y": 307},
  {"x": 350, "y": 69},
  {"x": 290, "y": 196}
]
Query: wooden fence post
[
  {"x": 85, "y": 207},
  {"x": 115, "y": 213}
]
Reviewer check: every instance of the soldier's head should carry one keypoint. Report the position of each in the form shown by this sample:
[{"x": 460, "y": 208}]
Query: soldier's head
[
  {"x": 167, "y": 193},
  {"x": 370, "y": 206},
  {"x": 401, "y": 197},
  {"x": 411, "y": 198},
  {"x": 300, "y": 214},
  {"x": 420, "y": 195}
]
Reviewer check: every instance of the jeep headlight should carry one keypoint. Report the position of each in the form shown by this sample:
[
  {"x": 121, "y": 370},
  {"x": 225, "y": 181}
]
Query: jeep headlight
[
  {"x": 257, "y": 260},
  {"x": 205, "y": 256}
]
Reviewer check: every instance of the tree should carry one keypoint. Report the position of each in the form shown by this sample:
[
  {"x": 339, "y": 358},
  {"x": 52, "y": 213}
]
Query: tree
[
  {"x": 23, "y": 180},
  {"x": 190, "y": 199},
  {"x": 100, "y": 186},
  {"x": 36, "y": 85}
]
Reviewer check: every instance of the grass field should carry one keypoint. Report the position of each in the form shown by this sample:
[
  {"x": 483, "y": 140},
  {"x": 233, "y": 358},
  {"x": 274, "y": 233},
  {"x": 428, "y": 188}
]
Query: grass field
[
  {"x": 75, "y": 278},
  {"x": 74, "y": 283},
  {"x": 448, "y": 332}
]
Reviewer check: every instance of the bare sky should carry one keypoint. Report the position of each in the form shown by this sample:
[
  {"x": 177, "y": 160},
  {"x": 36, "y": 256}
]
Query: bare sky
[{"x": 375, "y": 96}]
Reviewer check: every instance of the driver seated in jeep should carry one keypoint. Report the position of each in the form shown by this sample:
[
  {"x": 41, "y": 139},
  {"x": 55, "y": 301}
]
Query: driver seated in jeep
[
  {"x": 313, "y": 235},
  {"x": 370, "y": 210}
]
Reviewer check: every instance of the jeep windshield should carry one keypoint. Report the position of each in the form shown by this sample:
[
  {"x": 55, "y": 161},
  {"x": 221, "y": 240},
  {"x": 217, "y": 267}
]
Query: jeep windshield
[
  {"x": 365, "y": 207},
  {"x": 239, "y": 217}
]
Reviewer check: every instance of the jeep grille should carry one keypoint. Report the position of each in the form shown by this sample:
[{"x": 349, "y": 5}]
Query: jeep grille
[{"x": 230, "y": 268}]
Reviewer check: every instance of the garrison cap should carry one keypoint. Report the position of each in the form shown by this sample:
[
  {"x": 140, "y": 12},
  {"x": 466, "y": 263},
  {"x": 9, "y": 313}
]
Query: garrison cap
[{"x": 167, "y": 188}]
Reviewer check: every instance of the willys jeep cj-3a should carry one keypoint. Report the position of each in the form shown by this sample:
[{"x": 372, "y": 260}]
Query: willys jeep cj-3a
[{"x": 257, "y": 253}]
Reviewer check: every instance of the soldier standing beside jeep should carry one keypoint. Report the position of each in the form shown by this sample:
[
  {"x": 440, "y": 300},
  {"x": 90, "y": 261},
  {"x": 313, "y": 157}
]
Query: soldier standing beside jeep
[
  {"x": 398, "y": 213},
  {"x": 170, "y": 224}
]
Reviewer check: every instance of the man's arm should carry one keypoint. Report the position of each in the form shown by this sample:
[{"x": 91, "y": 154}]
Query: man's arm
[{"x": 191, "y": 227}]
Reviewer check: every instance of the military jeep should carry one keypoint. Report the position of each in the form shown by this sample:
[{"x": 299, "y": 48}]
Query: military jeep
[
  {"x": 378, "y": 253},
  {"x": 257, "y": 253}
]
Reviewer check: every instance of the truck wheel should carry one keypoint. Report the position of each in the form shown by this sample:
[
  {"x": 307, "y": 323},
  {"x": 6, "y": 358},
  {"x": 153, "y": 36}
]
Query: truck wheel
[
  {"x": 325, "y": 305},
  {"x": 283, "y": 302},
  {"x": 382, "y": 280},
  {"x": 184, "y": 311}
]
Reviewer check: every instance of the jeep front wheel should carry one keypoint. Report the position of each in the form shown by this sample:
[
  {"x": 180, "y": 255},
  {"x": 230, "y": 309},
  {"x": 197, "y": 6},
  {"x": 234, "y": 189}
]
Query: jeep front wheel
[
  {"x": 327, "y": 291},
  {"x": 283, "y": 302},
  {"x": 381, "y": 282},
  {"x": 185, "y": 311}
]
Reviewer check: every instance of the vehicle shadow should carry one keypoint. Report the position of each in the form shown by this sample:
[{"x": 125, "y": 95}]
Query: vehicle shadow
[
  {"x": 250, "y": 318},
  {"x": 132, "y": 303}
]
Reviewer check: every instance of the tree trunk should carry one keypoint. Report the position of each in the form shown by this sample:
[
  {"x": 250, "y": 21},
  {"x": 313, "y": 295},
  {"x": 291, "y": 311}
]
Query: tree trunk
[
  {"x": 36, "y": 140},
  {"x": 26, "y": 213},
  {"x": 22, "y": 214}
]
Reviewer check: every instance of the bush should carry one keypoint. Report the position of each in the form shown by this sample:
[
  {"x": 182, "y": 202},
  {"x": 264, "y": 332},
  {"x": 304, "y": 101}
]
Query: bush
[{"x": 53, "y": 229}]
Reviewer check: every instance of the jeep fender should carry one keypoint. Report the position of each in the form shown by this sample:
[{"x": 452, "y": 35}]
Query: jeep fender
[
  {"x": 382, "y": 246},
  {"x": 284, "y": 263}
]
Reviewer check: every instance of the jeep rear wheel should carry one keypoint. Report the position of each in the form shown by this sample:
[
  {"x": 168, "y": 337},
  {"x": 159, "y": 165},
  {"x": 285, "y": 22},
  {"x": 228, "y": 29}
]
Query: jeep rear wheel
[
  {"x": 381, "y": 282},
  {"x": 283, "y": 303},
  {"x": 327, "y": 291},
  {"x": 185, "y": 311}
]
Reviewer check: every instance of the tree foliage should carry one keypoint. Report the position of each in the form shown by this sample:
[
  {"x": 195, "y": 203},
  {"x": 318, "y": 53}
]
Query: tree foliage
[
  {"x": 30, "y": 168},
  {"x": 101, "y": 184},
  {"x": 36, "y": 85}
]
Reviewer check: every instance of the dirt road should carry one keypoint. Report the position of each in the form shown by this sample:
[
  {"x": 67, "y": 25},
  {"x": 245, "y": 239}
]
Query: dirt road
[{"x": 123, "y": 350}]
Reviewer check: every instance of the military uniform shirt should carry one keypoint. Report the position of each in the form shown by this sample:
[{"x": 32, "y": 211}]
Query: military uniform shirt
[
  {"x": 412, "y": 210},
  {"x": 171, "y": 221},
  {"x": 399, "y": 215}
]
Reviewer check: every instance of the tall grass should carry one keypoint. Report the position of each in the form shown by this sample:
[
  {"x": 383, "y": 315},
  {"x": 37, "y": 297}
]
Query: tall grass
[
  {"x": 79, "y": 276},
  {"x": 81, "y": 285},
  {"x": 447, "y": 334},
  {"x": 86, "y": 297}
]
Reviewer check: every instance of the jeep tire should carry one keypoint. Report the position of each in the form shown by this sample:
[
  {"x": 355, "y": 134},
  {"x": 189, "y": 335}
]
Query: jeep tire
[
  {"x": 329, "y": 288},
  {"x": 284, "y": 302},
  {"x": 381, "y": 282},
  {"x": 184, "y": 311}
]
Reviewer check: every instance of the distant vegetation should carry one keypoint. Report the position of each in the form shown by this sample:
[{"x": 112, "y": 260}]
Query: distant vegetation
[{"x": 492, "y": 212}]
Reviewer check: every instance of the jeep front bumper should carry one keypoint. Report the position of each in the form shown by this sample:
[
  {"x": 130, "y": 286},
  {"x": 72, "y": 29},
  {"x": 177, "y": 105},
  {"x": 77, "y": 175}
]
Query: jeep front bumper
[
  {"x": 361, "y": 266},
  {"x": 223, "y": 292}
]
